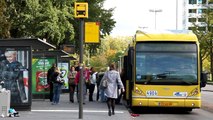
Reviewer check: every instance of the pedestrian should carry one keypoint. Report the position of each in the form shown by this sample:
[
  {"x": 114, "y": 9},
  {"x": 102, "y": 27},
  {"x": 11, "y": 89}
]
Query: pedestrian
[
  {"x": 114, "y": 80},
  {"x": 77, "y": 82},
  {"x": 71, "y": 80},
  {"x": 57, "y": 83},
  {"x": 92, "y": 83},
  {"x": 50, "y": 80},
  {"x": 77, "y": 68},
  {"x": 88, "y": 72},
  {"x": 100, "y": 91}
]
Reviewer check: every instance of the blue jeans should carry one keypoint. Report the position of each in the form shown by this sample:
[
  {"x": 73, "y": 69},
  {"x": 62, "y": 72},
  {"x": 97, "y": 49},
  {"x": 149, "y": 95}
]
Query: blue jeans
[
  {"x": 103, "y": 97},
  {"x": 56, "y": 92}
]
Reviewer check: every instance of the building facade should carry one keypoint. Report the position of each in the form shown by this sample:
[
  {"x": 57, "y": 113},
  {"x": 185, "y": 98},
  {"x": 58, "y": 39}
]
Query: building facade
[{"x": 193, "y": 13}]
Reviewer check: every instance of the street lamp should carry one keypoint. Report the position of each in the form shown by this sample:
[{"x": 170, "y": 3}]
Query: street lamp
[{"x": 155, "y": 11}]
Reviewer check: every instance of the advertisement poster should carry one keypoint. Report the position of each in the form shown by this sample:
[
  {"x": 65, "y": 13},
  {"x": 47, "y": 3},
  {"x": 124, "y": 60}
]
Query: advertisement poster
[
  {"x": 40, "y": 66},
  {"x": 64, "y": 67},
  {"x": 14, "y": 73}
]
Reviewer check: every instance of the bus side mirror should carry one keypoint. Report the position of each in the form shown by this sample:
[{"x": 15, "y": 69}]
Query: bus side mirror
[{"x": 203, "y": 79}]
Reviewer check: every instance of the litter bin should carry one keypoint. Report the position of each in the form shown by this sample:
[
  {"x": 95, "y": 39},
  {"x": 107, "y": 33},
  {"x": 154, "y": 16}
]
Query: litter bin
[{"x": 4, "y": 102}]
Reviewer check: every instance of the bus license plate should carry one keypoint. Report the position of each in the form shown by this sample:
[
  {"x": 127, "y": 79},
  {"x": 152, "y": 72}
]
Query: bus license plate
[{"x": 165, "y": 103}]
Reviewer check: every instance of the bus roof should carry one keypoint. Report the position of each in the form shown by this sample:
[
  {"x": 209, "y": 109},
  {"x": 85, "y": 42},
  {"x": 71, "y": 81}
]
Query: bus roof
[{"x": 165, "y": 35}]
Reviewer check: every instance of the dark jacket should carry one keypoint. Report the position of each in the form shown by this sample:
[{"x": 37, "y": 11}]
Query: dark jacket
[
  {"x": 56, "y": 79},
  {"x": 50, "y": 75}
]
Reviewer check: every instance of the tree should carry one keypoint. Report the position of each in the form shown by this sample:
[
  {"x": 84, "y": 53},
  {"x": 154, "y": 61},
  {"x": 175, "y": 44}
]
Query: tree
[
  {"x": 52, "y": 20},
  {"x": 96, "y": 14},
  {"x": 4, "y": 23},
  {"x": 49, "y": 19},
  {"x": 111, "y": 49}
]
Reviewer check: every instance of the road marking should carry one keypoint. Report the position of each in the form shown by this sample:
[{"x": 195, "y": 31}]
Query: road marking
[{"x": 87, "y": 111}]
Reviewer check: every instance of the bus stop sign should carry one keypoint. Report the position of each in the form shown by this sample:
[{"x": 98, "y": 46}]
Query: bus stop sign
[{"x": 81, "y": 10}]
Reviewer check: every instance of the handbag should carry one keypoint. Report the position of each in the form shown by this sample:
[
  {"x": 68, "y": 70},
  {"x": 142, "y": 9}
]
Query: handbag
[
  {"x": 60, "y": 80},
  {"x": 105, "y": 83},
  {"x": 71, "y": 81}
]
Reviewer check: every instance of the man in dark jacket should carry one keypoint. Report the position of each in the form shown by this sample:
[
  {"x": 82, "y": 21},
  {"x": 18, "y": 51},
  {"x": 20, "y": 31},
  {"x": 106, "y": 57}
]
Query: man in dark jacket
[{"x": 50, "y": 80}]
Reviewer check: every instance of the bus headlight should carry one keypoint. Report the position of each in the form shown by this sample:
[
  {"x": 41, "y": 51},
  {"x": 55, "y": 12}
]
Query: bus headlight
[{"x": 193, "y": 92}]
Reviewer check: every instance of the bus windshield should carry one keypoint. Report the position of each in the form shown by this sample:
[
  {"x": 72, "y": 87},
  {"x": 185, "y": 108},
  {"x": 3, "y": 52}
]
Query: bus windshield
[{"x": 166, "y": 63}]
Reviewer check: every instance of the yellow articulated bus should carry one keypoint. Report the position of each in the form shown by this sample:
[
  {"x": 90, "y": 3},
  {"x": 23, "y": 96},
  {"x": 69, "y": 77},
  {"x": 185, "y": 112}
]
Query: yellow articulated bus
[{"x": 164, "y": 70}]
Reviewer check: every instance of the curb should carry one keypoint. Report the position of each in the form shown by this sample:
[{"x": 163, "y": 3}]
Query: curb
[
  {"x": 210, "y": 83},
  {"x": 208, "y": 90}
]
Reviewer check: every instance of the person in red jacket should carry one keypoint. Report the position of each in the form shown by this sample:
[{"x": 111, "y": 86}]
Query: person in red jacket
[{"x": 86, "y": 77}]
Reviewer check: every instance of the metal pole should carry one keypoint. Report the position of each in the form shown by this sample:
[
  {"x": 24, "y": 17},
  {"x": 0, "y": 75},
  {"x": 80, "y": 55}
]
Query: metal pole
[
  {"x": 176, "y": 14},
  {"x": 155, "y": 19},
  {"x": 81, "y": 69},
  {"x": 120, "y": 64},
  {"x": 211, "y": 55},
  {"x": 88, "y": 59},
  {"x": 155, "y": 11},
  {"x": 211, "y": 61}
]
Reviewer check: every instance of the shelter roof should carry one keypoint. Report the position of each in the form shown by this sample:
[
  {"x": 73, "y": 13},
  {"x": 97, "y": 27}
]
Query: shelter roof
[
  {"x": 35, "y": 43},
  {"x": 66, "y": 58},
  {"x": 50, "y": 53}
]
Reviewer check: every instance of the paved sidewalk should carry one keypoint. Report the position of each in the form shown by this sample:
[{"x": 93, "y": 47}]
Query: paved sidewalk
[
  {"x": 208, "y": 87},
  {"x": 207, "y": 97},
  {"x": 65, "y": 110}
]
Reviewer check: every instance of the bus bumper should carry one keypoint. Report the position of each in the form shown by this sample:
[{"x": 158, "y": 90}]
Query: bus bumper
[{"x": 188, "y": 103}]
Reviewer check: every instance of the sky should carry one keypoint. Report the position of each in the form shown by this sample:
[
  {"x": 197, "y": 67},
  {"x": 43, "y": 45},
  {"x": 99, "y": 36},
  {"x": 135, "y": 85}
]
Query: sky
[{"x": 133, "y": 14}]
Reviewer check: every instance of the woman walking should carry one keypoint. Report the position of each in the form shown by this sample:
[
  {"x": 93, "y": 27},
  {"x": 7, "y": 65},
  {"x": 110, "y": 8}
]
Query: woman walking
[{"x": 114, "y": 81}]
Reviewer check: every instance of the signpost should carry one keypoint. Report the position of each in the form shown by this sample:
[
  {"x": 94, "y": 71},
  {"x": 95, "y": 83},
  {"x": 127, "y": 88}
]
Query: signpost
[
  {"x": 91, "y": 35},
  {"x": 81, "y": 11},
  {"x": 92, "y": 32}
]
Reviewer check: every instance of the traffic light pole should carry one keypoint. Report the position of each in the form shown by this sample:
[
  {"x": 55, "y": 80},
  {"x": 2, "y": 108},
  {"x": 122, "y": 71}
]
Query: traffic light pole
[{"x": 81, "y": 69}]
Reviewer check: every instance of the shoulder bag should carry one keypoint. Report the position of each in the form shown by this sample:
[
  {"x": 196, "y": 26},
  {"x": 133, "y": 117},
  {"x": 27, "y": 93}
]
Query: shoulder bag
[{"x": 105, "y": 82}]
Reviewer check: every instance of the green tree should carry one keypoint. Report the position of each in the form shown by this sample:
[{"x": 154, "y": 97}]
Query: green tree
[
  {"x": 4, "y": 23},
  {"x": 96, "y": 14},
  {"x": 52, "y": 20},
  {"x": 111, "y": 49},
  {"x": 205, "y": 37},
  {"x": 49, "y": 19}
]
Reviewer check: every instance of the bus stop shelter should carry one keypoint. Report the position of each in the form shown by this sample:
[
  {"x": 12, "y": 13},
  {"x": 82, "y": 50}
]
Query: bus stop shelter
[{"x": 43, "y": 60}]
